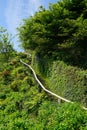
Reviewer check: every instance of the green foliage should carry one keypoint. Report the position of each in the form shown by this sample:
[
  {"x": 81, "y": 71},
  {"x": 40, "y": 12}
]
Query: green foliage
[
  {"x": 23, "y": 105},
  {"x": 62, "y": 117},
  {"x": 6, "y": 47},
  {"x": 63, "y": 79},
  {"x": 48, "y": 28},
  {"x": 56, "y": 35},
  {"x": 58, "y": 32}
]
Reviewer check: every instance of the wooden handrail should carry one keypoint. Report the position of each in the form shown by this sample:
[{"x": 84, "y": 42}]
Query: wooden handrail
[{"x": 46, "y": 90}]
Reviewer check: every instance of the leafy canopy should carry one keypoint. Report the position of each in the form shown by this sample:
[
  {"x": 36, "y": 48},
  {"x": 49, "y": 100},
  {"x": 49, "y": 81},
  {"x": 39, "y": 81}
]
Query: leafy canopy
[{"x": 48, "y": 28}]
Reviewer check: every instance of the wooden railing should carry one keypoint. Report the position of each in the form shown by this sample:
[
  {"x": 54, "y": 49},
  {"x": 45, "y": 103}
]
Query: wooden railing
[{"x": 46, "y": 90}]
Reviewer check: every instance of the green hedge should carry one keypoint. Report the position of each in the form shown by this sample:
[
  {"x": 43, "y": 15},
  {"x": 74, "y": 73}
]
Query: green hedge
[{"x": 65, "y": 80}]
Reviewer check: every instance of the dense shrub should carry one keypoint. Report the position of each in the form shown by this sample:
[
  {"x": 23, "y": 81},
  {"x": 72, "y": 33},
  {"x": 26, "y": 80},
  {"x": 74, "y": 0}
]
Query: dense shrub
[{"x": 65, "y": 80}]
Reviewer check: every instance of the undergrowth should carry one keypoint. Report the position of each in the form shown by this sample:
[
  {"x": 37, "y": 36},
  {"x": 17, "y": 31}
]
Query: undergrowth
[{"x": 24, "y": 106}]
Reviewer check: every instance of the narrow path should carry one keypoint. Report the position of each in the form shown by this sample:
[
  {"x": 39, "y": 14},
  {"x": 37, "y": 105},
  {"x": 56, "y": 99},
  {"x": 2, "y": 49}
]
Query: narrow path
[{"x": 46, "y": 90}]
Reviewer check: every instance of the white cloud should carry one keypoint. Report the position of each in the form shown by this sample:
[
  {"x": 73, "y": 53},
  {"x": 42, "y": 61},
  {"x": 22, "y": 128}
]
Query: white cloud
[
  {"x": 13, "y": 14},
  {"x": 34, "y": 4},
  {"x": 17, "y": 10}
]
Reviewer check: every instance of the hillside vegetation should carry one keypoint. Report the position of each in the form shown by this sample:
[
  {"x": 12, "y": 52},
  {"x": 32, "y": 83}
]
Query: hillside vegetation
[
  {"x": 54, "y": 44},
  {"x": 25, "y": 106},
  {"x": 57, "y": 38},
  {"x": 65, "y": 80}
]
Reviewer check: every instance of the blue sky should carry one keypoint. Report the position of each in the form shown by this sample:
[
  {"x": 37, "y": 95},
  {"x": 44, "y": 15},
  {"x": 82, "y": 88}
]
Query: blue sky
[{"x": 13, "y": 11}]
